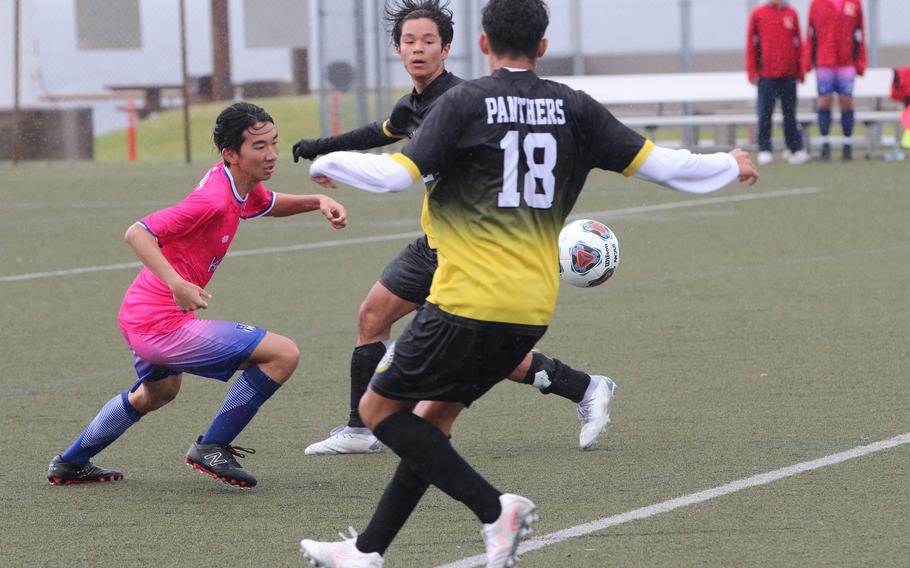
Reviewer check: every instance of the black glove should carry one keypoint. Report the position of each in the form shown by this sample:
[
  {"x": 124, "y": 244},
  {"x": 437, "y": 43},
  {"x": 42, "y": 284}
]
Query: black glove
[
  {"x": 399, "y": 120},
  {"x": 306, "y": 149}
]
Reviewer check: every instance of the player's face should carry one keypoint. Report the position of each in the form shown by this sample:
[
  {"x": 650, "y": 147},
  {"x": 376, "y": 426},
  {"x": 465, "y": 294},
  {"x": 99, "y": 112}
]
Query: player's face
[
  {"x": 421, "y": 49},
  {"x": 259, "y": 152}
]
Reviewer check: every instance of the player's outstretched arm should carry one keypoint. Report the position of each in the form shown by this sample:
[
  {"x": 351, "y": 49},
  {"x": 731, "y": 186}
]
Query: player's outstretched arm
[
  {"x": 696, "y": 173},
  {"x": 363, "y": 138},
  {"x": 287, "y": 204},
  {"x": 187, "y": 295},
  {"x": 369, "y": 172}
]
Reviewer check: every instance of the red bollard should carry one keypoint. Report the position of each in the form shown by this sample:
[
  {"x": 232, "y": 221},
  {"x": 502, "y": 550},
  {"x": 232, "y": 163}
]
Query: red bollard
[
  {"x": 131, "y": 129},
  {"x": 335, "y": 113}
]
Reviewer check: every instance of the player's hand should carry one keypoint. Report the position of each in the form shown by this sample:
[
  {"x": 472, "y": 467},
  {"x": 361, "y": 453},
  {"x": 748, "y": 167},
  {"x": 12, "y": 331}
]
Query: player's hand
[
  {"x": 333, "y": 211},
  {"x": 190, "y": 297},
  {"x": 747, "y": 170},
  {"x": 399, "y": 119},
  {"x": 324, "y": 181},
  {"x": 306, "y": 149}
]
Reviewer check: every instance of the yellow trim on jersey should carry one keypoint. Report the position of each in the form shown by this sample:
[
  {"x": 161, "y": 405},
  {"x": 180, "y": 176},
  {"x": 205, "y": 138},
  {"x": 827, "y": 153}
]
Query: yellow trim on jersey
[
  {"x": 639, "y": 159},
  {"x": 408, "y": 164},
  {"x": 389, "y": 133}
]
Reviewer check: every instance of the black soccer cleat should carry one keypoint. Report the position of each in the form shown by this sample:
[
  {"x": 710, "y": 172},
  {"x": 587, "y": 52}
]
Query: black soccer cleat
[
  {"x": 62, "y": 472},
  {"x": 826, "y": 152},
  {"x": 218, "y": 461}
]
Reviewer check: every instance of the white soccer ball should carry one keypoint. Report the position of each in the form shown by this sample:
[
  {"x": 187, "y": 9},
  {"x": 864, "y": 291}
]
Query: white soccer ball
[{"x": 588, "y": 253}]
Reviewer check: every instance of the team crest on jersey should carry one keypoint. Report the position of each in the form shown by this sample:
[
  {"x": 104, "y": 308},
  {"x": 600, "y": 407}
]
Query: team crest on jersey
[
  {"x": 225, "y": 239},
  {"x": 246, "y": 328},
  {"x": 387, "y": 359},
  {"x": 584, "y": 258},
  {"x": 849, "y": 9},
  {"x": 214, "y": 264},
  {"x": 788, "y": 22},
  {"x": 598, "y": 229}
]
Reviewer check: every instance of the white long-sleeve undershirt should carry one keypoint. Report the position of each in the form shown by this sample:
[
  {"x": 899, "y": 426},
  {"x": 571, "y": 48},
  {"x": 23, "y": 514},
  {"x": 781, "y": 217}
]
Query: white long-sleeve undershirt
[
  {"x": 676, "y": 169},
  {"x": 684, "y": 171},
  {"x": 369, "y": 172}
]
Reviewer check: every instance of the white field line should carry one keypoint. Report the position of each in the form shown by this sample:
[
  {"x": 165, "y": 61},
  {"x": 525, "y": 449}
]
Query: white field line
[
  {"x": 612, "y": 214},
  {"x": 691, "y": 499}
]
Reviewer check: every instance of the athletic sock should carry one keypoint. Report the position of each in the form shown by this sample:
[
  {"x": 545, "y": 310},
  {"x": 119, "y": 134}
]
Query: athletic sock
[
  {"x": 846, "y": 122},
  {"x": 552, "y": 376},
  {"x": 363, "y": 364},
  {"x": 824, "y": 121},
  {"x": 397, "y": 503},
  {"x": 109, "y": 424},
  {"x": 428, "y": 453},
  {"x": 247, "y": 394}
]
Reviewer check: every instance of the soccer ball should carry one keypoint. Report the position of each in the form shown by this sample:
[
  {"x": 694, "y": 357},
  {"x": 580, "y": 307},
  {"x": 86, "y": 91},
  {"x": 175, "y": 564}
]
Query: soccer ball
[{"x": 588, "y": 253}]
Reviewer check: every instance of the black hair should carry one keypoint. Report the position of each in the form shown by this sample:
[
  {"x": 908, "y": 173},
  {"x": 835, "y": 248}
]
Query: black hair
[
  {"x": 515, "y": 27},
  {"x": 234, "y": 121},
  {"x": 397, "y": 12}
]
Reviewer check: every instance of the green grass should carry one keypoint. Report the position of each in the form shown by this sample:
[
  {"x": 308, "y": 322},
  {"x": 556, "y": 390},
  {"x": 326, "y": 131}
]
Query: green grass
[
  {"x": 159, "y": 139},
  {"x": 745, "y": 336}
]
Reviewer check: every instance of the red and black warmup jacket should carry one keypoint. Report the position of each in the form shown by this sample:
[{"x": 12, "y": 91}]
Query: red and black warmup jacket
[
  {"x": 900, "y": 88},
  {"x": 773, "y": 43},
  {"x": 836, "y": 37}
]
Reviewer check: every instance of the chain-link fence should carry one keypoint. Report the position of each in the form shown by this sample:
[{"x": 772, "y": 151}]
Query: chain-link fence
[{"x": 78, "y": 70}]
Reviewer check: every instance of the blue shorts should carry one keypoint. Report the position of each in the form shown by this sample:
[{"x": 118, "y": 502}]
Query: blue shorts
[
  {"x": 835, "y": 80},
  {"x": 208, "y": 348}
]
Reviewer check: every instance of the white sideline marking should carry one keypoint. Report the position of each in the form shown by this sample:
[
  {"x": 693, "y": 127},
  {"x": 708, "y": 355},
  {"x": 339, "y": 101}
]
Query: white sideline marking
[
  {"x": 691, "y": 499},
  {"x": 614, "y": 213}
]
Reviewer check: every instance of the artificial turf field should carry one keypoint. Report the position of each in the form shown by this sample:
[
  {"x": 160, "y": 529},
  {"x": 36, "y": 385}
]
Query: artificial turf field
[{"x": 749, "y": 330}]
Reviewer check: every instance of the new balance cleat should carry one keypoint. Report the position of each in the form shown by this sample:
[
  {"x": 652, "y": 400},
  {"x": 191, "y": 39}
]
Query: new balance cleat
[
  {"x": 594, "y": 409},
  {"x": 339, "y": 554},
  {"x": 61, "y": 472},
  {"x": 502, "y": 536},
  {"x": 346, "y": 440},
  {"x": 218, "y": 460}
]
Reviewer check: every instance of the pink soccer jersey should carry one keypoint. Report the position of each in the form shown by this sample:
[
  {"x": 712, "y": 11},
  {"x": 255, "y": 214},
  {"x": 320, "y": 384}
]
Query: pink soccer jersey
[{"x": 194, "y": 236}]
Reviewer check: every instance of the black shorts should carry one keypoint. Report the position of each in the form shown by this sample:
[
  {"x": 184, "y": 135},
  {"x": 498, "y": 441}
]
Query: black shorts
[
  {"x": 409, "y": 276},
  {"x": 444, "y": 357}
]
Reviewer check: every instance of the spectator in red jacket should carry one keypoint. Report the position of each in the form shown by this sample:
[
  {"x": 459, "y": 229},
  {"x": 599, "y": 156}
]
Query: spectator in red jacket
[
  {"x": 837, "y": 50},
  {"x": 900, "y": 87},
  {"x": 773, "y": 48}
]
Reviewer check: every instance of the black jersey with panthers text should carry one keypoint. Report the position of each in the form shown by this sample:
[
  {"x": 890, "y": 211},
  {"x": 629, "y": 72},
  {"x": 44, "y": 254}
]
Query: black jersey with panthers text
[{"x": 505, "y": 158}]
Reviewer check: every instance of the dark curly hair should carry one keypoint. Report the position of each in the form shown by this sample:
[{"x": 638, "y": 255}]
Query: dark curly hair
[
  {"x": 398, "y": 12},
  {"x": 515, "y": 27},
  {"x": 234, "y": 121}
]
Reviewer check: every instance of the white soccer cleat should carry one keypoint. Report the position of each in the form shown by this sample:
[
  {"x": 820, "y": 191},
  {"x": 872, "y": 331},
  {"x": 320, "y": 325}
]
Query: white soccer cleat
[
  {"x": 339, "y": 554},
  {"x": 502, "y": 536},
  {"x": 346, "y": 440},
  {"x": 765, "y": 158},
  {"x": 594, "y": 409},
  {"x": 799, "y": 157}
]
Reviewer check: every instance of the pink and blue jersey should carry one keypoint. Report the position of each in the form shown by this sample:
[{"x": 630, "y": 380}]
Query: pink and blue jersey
[{"x": 194, "y": 237}]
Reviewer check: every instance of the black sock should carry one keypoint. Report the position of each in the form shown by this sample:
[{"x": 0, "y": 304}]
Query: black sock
[
  {"x": 429, "y": 454},
  {"x": 397, "y": 503},
  {"x": 557, "y": 378},
  {"x": 363, "y": 364}
]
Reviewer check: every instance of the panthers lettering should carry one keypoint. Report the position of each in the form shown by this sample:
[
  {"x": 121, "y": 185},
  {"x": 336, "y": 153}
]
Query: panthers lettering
[{"x": 501, "y": 110}]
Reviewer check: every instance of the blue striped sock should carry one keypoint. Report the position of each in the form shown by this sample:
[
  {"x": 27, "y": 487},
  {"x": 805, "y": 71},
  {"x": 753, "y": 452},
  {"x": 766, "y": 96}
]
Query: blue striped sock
[
  {"x": 847, "y": 118},
  {"x": 824, "y": 121},
  {"x": 250, "y": 390},
  {"x": 111, "y": 422}
]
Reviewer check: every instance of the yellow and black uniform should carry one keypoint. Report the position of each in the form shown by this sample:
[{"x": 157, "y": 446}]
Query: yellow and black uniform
[
  {"x": 505, "y": 158},
  {"x": 509, "y": 155},
  {"x": 409, "y": 275}
]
